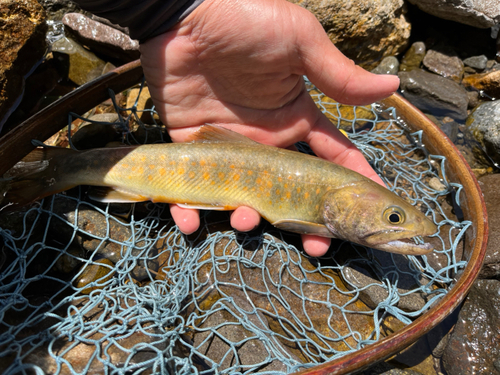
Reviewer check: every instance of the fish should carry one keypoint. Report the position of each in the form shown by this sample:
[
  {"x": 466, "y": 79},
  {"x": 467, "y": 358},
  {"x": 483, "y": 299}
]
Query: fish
[{"x": 219, "y": 169}]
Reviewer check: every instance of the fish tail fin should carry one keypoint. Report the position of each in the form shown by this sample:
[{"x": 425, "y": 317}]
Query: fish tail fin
[{"x": 38, "y": 175}]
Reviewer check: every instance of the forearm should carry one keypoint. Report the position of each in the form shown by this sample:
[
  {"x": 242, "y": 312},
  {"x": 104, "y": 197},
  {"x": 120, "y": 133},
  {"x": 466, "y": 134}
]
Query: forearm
[{"x": 145, "y": 19}]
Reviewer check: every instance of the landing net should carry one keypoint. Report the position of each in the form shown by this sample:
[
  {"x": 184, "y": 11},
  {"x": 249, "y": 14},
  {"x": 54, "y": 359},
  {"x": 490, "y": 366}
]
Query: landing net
[{"x": 117, "y": 289}]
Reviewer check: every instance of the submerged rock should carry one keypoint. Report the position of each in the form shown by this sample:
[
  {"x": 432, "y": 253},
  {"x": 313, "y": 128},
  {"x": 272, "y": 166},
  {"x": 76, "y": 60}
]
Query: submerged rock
[
  {"x": 488, "y": 82},
  {"x": 433, "y": 93},
  {"x": 388, "y": 65},
  {"x": 365, "y": 31},
  {"x": 476, "y": 62},
  {"x": 84, "y": 66},
  {"x": 412, "y": 59},
  {"x": 474, "y": 346}
]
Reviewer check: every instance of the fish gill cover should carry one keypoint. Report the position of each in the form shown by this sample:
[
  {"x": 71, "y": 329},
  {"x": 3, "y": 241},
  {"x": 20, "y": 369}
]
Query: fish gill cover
[{"x": 93, "y": 288}]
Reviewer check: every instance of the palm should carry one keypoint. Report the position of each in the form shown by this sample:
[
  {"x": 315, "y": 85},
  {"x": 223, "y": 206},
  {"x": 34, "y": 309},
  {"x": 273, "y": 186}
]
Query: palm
[{"x": 240, "y": 63}]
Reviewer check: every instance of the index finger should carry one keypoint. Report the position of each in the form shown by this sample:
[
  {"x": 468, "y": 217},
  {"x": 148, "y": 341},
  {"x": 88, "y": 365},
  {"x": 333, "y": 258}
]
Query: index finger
[{"x": 329, "y": 143}]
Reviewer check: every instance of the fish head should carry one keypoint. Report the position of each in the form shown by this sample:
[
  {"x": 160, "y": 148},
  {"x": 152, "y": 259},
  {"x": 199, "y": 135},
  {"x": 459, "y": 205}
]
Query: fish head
[{"x": 371, "y": 215}]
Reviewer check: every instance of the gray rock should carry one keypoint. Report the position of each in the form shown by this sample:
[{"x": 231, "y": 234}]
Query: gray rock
[
  {"x": 56, "y": 9},
  {"x": 388, "y": 65},
  {"x": 360, "y": 275},
  {"x": 474, "y": 345},
  {"x": 446, "y": 63},
  {"x": 476, "y": 62},
  {"x": 490, "y": 186},
  {"x": 101, "y": 38},
  {"x": 477, "y": 13},
  {"x": 435, "y": 94},
  {"x": 484, "y": 124}
]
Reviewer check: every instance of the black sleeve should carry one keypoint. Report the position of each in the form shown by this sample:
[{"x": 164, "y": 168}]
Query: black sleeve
[{"x": 144, "y": 18}]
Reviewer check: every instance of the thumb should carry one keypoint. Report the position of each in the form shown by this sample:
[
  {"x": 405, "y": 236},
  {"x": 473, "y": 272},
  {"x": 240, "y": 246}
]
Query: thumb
[{"x": 336, "y": 75}]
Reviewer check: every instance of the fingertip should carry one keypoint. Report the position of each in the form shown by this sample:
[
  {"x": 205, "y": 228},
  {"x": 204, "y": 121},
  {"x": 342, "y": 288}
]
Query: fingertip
[
  {"x": 187, "y": 219},
  {"x": 315, "y": 246},
  {"x": 245, "y": 219}
]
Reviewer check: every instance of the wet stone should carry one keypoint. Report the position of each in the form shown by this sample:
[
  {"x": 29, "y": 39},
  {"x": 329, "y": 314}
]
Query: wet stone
[
  {"x": 144, "y": 104},
  {"x": 474, "y": 346},
  {"x": 84, "y": 66},
  {"x": 435, "y": 94},
  {"x": 444, "y": 62},
  {"x": 476, "y": 62},
  {"x": 490, "y": 186},
  {"x": 388, "y": 65},
  {"x": 412, "y": 59},
  {"x": 98, "y": 272},
  {"x": 94, "y": 134},
  {"x": 102, "y": 39},
  {"x": 488, "y": 82},
  {"x": 484, "y": 124},
  {"x": 371, "y": 272}
]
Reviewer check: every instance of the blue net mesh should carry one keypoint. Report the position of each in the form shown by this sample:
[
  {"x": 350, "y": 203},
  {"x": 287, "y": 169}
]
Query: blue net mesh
[{"x": 118, "y": 289}]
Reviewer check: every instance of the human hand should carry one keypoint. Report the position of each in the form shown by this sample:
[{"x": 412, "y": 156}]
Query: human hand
[{"x": 240, "y": 63}]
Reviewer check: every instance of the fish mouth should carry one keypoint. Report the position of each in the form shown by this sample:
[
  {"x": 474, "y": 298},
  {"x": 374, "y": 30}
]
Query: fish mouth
[{"x": 402, "y": 245}]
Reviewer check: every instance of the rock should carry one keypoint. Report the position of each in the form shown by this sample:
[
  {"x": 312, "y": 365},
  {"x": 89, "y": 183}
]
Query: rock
[
  {"x": 413, "y": 57},
  {"x": 477, "y": 13},
  {"x": 484, "y": 124},
  {"x": 99, "y": 273},
  {"x": 84, "y": 66},
  {"x": 444, "y": 62},
  {"x": 144, "y": 104},
  {"x": 488, "y": 82},
  {"x": 476, "y": 62},
  {"x": 435, "y": 94},
  {"x": 490, "y": 186},
  {"x": 101, "y": 38},
  {"x": 474, "y": 345},
  {"x": 364, "y": 31},
  {"x": 375, "y": 271},
  {"x": 388, "y": 65},
  {"x": 56, "y": 9},
  {"x": 22, "y": 42},
  {"x": 94, "y": 135}
]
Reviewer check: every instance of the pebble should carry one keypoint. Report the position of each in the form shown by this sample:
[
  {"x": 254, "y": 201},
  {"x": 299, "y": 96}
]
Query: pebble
[
  {"x": 436, "y": 184},
  {"x": 101, "y": 38},
  {"x": 412, "y": 59},
  {"x": 433, "y": 93},
  {"x": 476, "y": 62},
  {"x": 100, "y": 271},
  {"x": 92, "y": 134},
  {"x": 474, "y": 345},
  {"x": 388, "y": 65},
  {"x": 484, "y": 124},
  {"x": 444, "y": 62}
]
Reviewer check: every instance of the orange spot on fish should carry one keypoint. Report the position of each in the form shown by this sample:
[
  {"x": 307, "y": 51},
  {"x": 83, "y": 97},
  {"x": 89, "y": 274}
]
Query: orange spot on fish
[
  {"x": 236, "y": 177},
  {"x": 298, "y": 190},
  {"x": 244, "y": 188},
  {"x": 269, "y": 184},
  {"x": 306, "y": 194},
  {"x": 152, "y": 166},
  {"x": 280, "y": 179},
  {"x": 191, "y": 174},
  {"x": 317, "y": 191},
  {"x": 250, "y": 173},
  {"x": 162, "y": 157},
  {"x": 150, "y": 178},
  {"x": 258, "y": 180},
  {"x": 231, "y": 166},
  {"x": 214, "y": 165},
  {"x": 125, "y": 165},
  {"x": 193, "y": 163},
  {"x": 171, "y": 162},
  {"x": 288, "y": 195},
  {"x": 162, "y": 171},
  {"x": 221, "y": 175},
  {"x": 277, "y": 192},
  {"x": 203, "y": 162},
  {"x": 180, "y": 170},
  {"x": 140, "y": 170},
  {"x": 206, "y": 175}
]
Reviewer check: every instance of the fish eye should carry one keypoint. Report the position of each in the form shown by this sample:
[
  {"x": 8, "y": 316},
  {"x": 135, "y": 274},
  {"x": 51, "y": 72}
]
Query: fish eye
[{"x": 394, "y": 215}]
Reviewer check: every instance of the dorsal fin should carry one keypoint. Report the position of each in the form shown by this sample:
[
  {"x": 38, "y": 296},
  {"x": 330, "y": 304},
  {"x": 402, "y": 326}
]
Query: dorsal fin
[{"x": 213, "y": 133}]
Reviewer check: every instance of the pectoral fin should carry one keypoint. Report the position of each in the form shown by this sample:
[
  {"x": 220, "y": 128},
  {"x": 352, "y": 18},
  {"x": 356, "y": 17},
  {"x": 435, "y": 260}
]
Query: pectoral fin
[{"x": 303, "y": 227}]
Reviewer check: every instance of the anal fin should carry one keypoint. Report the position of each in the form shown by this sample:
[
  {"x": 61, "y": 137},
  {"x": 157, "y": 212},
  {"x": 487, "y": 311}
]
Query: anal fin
[
  {"x": 110, "y": 195},
  {"x": 303, "y": 227}
]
